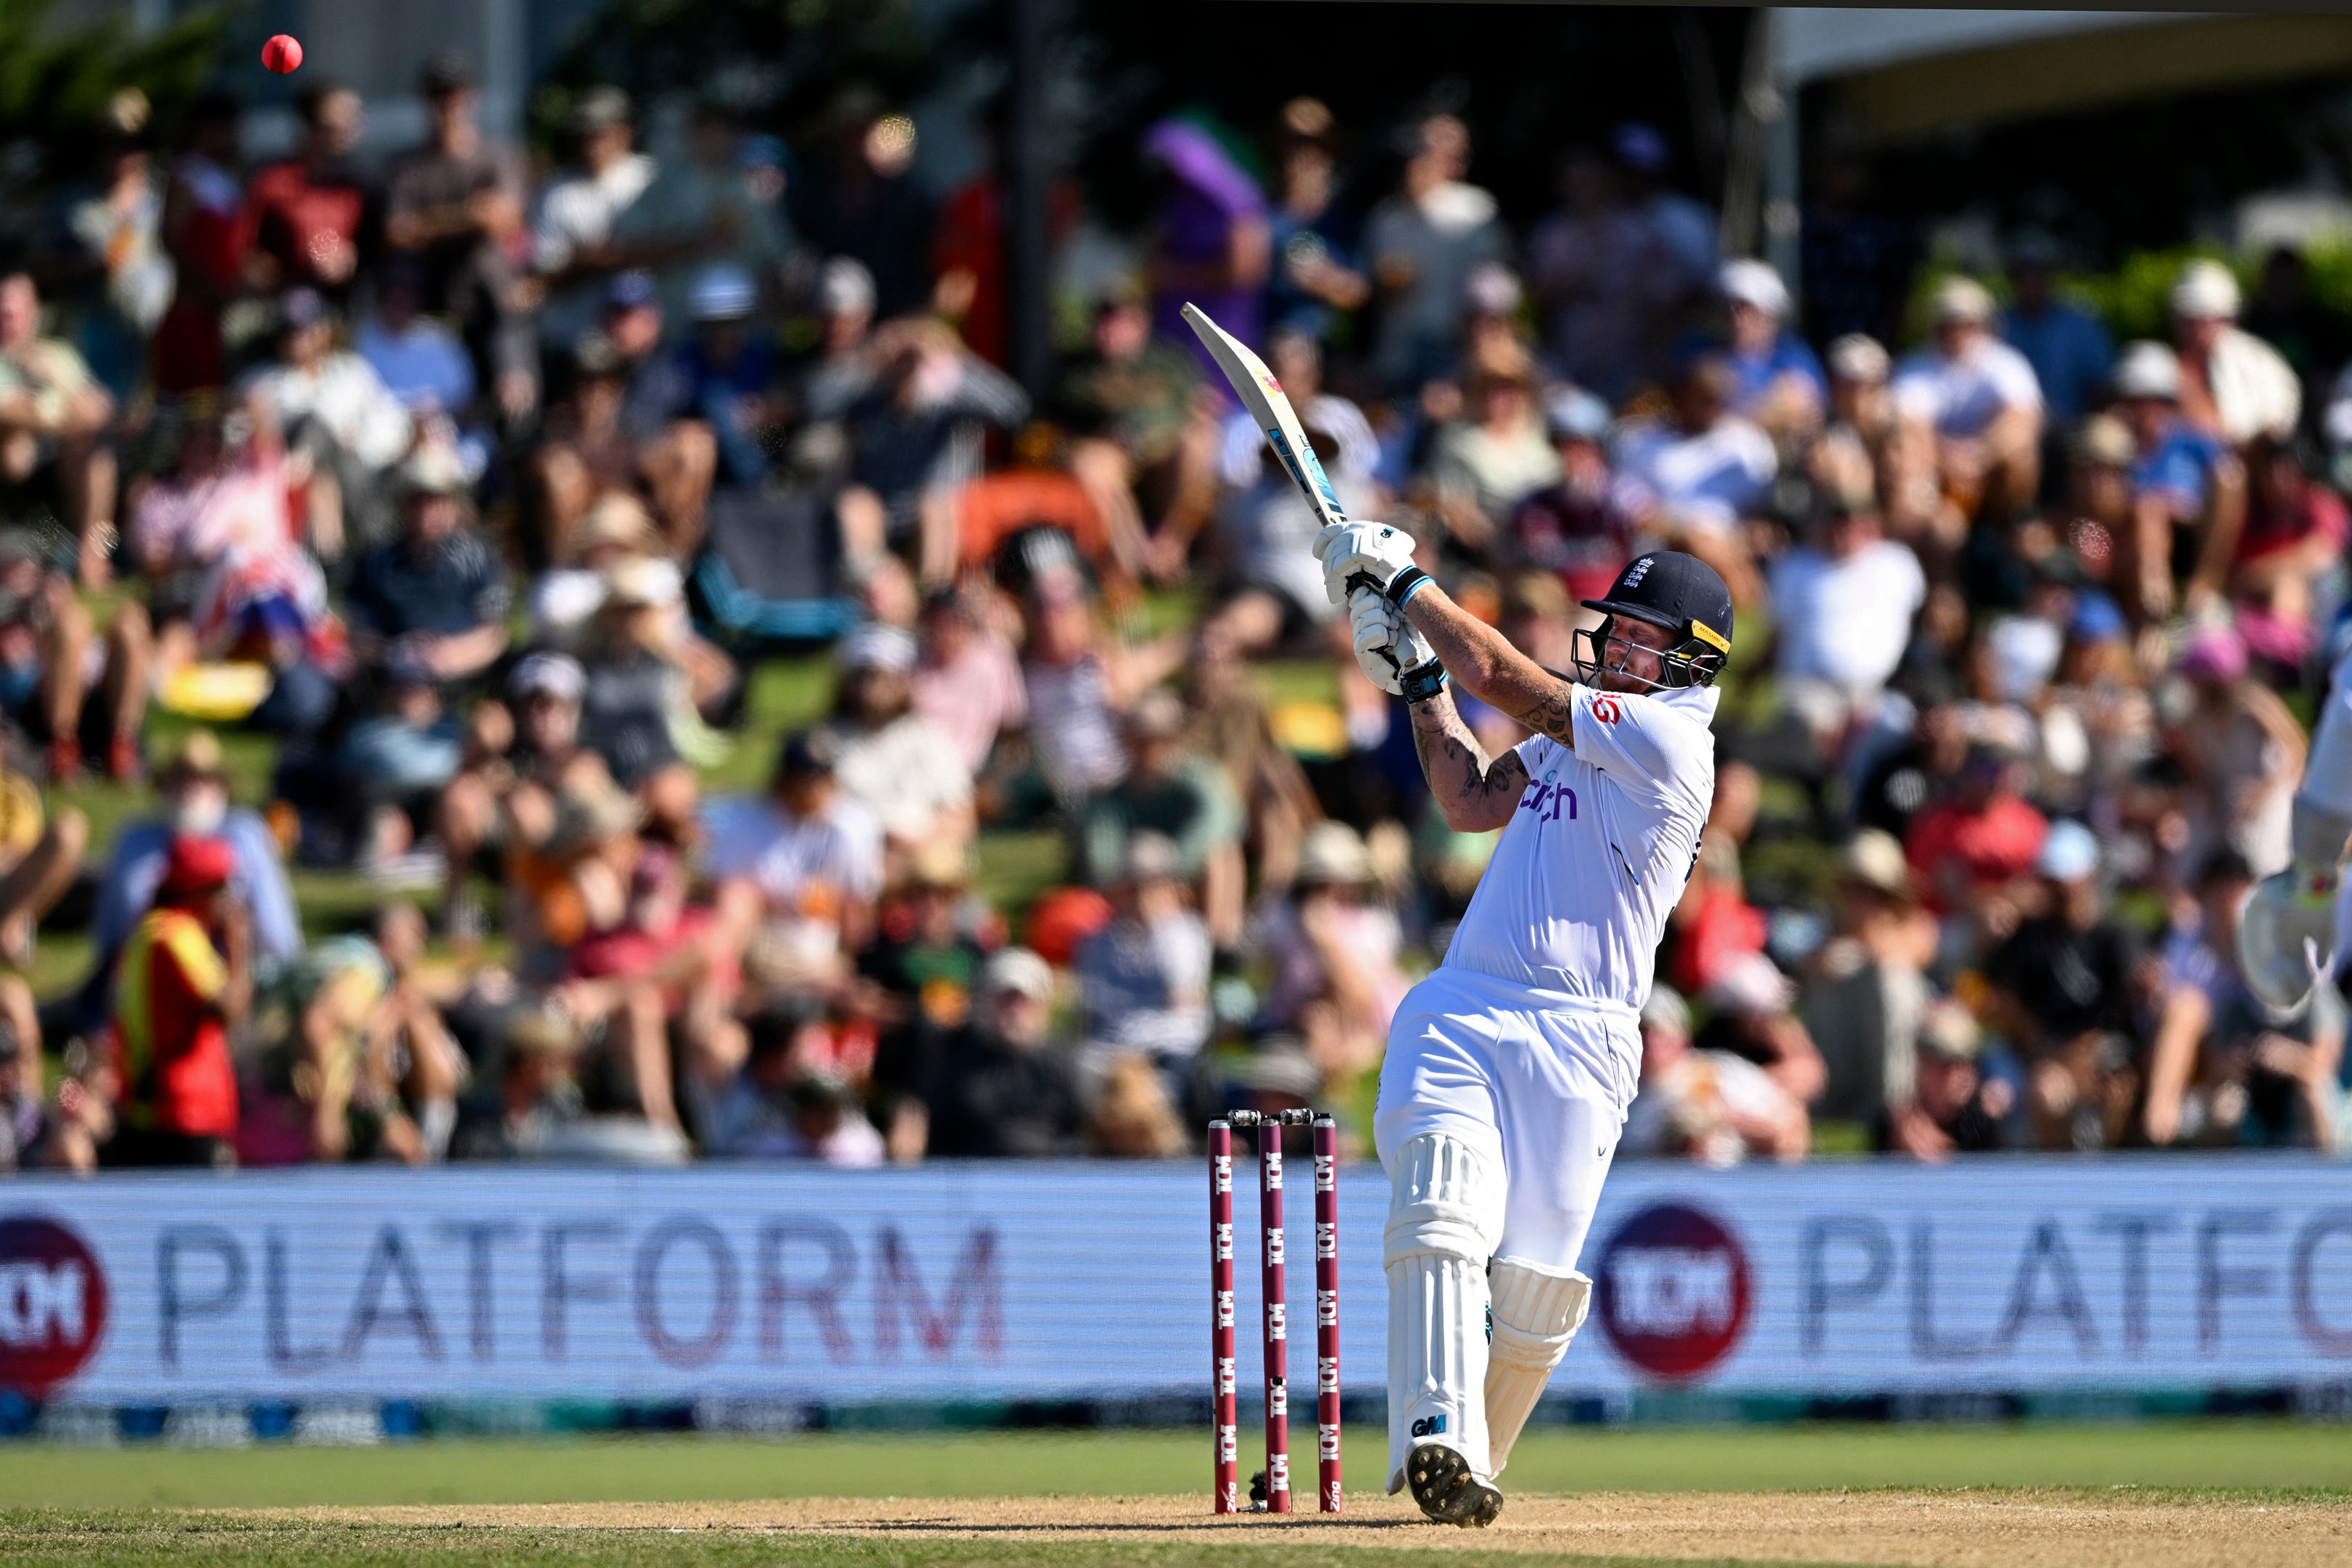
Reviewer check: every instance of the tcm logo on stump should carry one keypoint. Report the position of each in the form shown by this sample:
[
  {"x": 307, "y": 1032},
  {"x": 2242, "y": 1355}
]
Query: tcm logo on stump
[
  {"x": 52, "y": 1304},
  {"x": 1674, "y": 1290}
]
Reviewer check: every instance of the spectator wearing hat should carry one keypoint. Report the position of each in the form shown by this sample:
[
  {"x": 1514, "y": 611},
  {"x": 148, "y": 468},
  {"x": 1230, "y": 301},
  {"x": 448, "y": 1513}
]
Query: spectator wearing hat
[
  {"x": 806, "y": 862},
  {"x": 1572, "y": 528},
  {"x": 2224, "y": 1069},
  {"x": 651, "y": 683},
  {"x": 192, "y": 795},
  {"x": 842, "y": 368},
  {"x": 784, "y": 1103},
  {"x": 1143, "y": 979},
  {"x": 183, "y": 979},
  {"x": 1317, "y": 278},
  {"x": 727, "y": 373},
  {"x": 2232, "y": 383},
  {"x": 2099, "y": 726},
  {"x": 457, "y": 205},
  {"x": 518, "y": 760},
  {"x": 1714, "y": 1107},
  {"x": 2188, "y": 493},
  {"x": 1780, "y": 385},
  {"x": 571, "y": 249},
  {"x": 1691, "y": 477},
  {"x": 1175, "y": 792},
  {"x": 310, "y": 213},
  {"x": 897, "y": 763},
  {"x": 1863, "y": 988},
  {"x": 2065, "y": 990},
  {"x": 436, "y": 587},
  {"x": 534, "y": 1108},
  {"x": 1005, "y": 1089},
  {"x": 335, "y": 413},
  {"x": 1959, "y": 1106},
  {"x": 2296, "y": 529},
  {"x": 2242, "y": 751},
  {"x": 924, "y": 965},
  {"x": 1484, "y": 464},
  {"x": 52, "y": 416},
  {"x": 2070, "y": 352},
  {"x": 1972, "y": 415},
  {"x": 1422, "y": 243}
]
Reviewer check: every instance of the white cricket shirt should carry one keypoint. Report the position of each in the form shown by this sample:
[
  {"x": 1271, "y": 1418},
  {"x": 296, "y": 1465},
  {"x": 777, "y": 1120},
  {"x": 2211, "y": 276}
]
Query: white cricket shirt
[{"x": 1595, "y": 857}]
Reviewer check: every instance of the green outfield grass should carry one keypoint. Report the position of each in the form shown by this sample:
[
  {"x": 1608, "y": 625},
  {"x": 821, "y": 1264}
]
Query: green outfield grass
[{"x": 2231, "y": 1454}]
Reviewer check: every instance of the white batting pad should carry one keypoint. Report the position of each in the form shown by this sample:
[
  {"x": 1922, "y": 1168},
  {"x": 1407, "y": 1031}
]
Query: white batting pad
[
  {"x": 1537, "y": 1312},
  {"x": 1445, "y": 1215}
]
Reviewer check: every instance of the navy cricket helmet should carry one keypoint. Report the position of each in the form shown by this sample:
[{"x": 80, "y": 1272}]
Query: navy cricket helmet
[{"x": 1678, "y": 593}]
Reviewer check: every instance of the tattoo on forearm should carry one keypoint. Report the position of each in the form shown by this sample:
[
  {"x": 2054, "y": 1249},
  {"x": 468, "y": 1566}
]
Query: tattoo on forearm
[
  {"x": 1457, "y": 767},
  {"x": 1553, "y": 714}
]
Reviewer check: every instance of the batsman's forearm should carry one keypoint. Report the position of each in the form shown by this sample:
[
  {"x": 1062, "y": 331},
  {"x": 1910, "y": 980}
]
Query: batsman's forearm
[
  {"x": 1483, "y": 663},
  {"x": 1475, "y": 791}
]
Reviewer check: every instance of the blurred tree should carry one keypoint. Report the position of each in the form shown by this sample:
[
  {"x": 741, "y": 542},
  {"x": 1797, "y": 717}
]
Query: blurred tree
[{"x": 56, "y": 76}]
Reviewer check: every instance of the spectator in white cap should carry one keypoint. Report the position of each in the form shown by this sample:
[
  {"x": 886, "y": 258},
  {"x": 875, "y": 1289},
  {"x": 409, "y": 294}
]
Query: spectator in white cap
[
  {"x": 2232, "y": 383},
  {"x": 1781, "y": 385},
  {"x": 1004, "y": 1089},
  {"x": 843, "y": 370},
  {"x": 2070, "y": 353},
  {"x": 896, "y": 763},
  {"x": 522, "y": 756},
  {"x": 1971, "y": 412},
  {"x": 728, "y": 372},
  {"x": 2188, "y": 490}
]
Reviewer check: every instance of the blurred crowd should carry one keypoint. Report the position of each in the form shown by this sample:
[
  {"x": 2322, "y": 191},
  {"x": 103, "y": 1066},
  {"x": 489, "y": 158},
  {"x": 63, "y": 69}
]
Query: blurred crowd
[{"x": 496, "y": 498}]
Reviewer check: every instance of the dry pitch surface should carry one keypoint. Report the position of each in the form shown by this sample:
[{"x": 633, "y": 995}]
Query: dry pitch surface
[{"x": 1962, "y": 1529}]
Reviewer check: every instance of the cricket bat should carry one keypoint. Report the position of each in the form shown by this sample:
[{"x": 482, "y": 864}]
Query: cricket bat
[{"x": 1264, "y": 397}]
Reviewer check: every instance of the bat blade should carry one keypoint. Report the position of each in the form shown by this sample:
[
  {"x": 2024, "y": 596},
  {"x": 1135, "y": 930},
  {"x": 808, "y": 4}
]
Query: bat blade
[{"x": 1270, "y": 406}]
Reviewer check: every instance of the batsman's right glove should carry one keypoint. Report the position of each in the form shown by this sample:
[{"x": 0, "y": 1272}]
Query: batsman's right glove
[
  {"x": 1392, "y": 652},
  {"x": 1368, "y": 555}
]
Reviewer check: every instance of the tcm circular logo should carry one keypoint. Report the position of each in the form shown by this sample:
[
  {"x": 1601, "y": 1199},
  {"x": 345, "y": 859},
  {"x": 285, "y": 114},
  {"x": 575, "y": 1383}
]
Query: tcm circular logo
[
  {"x": 1674, "y": 1290},
  {"x": 52, "y": 1304}
]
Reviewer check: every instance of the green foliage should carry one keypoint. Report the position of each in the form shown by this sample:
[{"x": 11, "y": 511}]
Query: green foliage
[
  {"x": 2132, "y": 299},
  {"x": 781, "y": 63},
  {"x": 56, "y": 75}
]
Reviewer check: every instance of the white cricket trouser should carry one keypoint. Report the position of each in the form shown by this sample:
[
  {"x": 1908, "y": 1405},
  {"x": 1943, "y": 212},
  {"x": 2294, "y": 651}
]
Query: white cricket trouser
[
  {"x": 1533, "y": 1085},
  {"x": 1534, "y": 1080}
]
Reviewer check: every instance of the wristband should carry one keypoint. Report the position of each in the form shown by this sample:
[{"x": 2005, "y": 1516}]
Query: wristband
[
  {"x": 1421, "y": 681},
  {"x": 1405, "y": 585}
]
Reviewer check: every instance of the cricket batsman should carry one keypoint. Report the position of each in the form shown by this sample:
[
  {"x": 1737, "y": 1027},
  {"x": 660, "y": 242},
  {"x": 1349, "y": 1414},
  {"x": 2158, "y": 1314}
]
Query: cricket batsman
[
  {"x": 2296, "y": 923},
  {"x": 1511, "y": 1067}
]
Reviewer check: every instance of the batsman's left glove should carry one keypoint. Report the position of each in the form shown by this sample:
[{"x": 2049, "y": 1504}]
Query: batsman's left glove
[{"x": 1390, "y": 651}]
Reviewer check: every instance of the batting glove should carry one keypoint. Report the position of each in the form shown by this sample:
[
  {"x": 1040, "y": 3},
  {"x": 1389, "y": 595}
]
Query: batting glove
[
  {"x": 1368, "y": 555},
  {"x": 1390, "y": 651}
]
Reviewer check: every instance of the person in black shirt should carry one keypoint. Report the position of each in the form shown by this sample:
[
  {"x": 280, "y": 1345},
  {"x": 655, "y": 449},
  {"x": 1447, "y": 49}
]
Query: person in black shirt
[
  {"x": 437, "y": 588},
  {"x": 2065, "y": 985},
  {"x": 1004, "y": 1090}
]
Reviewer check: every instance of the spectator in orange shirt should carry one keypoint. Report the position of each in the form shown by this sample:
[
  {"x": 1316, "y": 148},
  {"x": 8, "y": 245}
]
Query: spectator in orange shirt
[{"x": 184, "y": 977}]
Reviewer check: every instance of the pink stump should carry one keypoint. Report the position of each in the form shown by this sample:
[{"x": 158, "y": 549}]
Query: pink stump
[
  {"x": 1277, "y": 1322},
  {"x": 1327, "y": 1313},
  {"x": 1220, "y": 1317}
]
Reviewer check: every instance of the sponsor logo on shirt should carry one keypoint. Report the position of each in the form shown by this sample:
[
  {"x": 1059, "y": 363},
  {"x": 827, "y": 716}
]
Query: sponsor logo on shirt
[
  {"x": 1606, "y": 710},
  {"x": 1544, "y": 790}
]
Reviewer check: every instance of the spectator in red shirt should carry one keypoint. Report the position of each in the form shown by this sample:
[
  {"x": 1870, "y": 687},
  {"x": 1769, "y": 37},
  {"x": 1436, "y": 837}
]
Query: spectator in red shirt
[
  {"x": 184, "y": 978},
  {"x": 1970, "y": 848},
  {"x": 308, "y": 214},
  {"x": 2294, "y": 529},
  {"x": 206, "y": 228}
]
